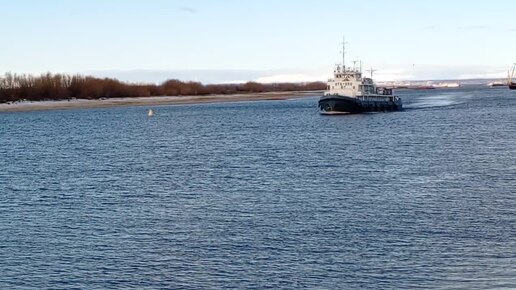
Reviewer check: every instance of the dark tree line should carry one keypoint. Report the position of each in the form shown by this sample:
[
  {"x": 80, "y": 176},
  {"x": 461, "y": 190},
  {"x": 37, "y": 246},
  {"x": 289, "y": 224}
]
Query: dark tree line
[{"x": 14, "y": 87}]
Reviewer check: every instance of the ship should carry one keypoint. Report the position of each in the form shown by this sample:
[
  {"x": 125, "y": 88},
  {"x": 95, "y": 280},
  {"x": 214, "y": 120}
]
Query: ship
[
  {"x": 349, "y": 92},
  {"x": 510, "y": 77}
]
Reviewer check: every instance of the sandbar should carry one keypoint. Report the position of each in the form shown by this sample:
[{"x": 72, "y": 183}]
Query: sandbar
[{"x": 150, "y": 101}]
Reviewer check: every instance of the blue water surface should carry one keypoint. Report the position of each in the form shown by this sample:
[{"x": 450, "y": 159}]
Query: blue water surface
[{"x": 265, "y": 194}]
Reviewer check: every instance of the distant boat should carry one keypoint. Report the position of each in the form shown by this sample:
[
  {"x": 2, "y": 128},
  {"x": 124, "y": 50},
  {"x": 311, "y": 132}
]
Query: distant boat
[
  {"x": 497, "y": 84},
  {"x": 446, "y": 85},
  {"x": 510, "y": 77},
  {"x": 150, "y": 113}
]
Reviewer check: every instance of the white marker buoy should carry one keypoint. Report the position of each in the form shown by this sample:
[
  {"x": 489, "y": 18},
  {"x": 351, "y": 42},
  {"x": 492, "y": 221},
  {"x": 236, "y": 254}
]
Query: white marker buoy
[{"x": 150, "y": 113}]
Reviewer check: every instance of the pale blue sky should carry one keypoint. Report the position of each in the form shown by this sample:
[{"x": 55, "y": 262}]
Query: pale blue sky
[{"x": 275, "y": 36}]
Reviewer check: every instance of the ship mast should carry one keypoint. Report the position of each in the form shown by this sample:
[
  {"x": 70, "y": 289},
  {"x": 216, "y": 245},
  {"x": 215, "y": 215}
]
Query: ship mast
[
  {"x": 344, "y": 54},
  {"x": 372, "y": 71}
]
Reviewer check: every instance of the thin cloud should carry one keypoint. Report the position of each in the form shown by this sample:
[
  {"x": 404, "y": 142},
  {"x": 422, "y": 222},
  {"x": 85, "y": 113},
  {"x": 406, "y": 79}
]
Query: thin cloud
[
  {"x": 188, "y": 10},
  {"x": 430, "y": 27},
  {"x": 474, "y": 27}
]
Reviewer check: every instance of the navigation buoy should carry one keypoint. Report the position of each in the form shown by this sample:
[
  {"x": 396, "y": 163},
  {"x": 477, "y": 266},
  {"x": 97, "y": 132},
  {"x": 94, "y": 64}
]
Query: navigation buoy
[{"x": 150, "y": 113}]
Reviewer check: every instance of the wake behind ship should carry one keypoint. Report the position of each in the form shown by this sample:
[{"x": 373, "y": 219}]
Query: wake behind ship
[{"x": 349, "y": 92}]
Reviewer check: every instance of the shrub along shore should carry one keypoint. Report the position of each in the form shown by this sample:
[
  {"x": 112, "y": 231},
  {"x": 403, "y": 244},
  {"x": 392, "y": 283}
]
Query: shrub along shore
[{"x": 14, "y": 87}]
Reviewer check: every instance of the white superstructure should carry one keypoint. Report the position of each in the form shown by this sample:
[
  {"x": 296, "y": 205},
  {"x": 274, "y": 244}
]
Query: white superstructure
[{"x": 350, "y": 83}]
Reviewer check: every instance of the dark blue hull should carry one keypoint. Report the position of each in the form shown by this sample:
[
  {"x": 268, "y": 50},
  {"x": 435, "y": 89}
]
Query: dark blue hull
[{"x": 341, "y": 104}]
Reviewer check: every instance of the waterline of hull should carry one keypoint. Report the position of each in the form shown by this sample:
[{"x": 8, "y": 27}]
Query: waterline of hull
[{"x": 350, "y": 105}]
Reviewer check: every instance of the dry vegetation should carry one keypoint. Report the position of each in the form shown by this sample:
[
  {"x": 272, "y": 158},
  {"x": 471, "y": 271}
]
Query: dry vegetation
[{"x": 49, "y": 86}]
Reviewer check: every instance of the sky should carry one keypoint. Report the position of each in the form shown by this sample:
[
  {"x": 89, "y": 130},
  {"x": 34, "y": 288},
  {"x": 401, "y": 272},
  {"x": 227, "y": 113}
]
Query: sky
[{"x": 266, "y": 40}]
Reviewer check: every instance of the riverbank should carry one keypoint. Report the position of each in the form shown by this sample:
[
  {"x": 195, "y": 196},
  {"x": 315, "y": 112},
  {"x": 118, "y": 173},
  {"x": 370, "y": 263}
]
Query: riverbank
[{"x": 150, "y": 101}]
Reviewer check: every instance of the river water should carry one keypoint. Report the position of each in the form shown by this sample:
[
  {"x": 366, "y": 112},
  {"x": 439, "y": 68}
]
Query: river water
[{"x": 262, "y": 194}]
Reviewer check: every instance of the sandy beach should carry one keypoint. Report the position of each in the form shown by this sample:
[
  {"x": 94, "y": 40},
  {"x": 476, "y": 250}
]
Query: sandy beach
[{"x": 149, "y": 101}]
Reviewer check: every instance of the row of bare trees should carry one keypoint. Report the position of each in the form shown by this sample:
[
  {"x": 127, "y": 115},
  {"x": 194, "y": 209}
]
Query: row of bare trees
[{"x": 15, "y": 87}]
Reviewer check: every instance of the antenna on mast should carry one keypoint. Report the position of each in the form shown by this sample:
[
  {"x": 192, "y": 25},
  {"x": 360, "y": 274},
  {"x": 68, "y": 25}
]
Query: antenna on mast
[
  {"x": 372, "y": 71},
  {"x": 344, "y": 53}
]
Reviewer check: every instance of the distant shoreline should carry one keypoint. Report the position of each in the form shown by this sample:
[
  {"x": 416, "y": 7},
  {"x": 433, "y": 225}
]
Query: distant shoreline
[{"x": 150, "y": 101}]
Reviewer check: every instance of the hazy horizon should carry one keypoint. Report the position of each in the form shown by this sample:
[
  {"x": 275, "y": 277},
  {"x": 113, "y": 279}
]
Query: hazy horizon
[{"x": 292, "y": 75}]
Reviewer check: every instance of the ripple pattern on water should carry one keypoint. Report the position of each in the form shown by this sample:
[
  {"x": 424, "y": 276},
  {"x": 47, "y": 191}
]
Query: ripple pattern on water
[{"x": 265, "y": 194}]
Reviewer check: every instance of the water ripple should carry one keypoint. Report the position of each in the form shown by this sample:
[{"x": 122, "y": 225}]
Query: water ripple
[{"x": 267, "y": 194}]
